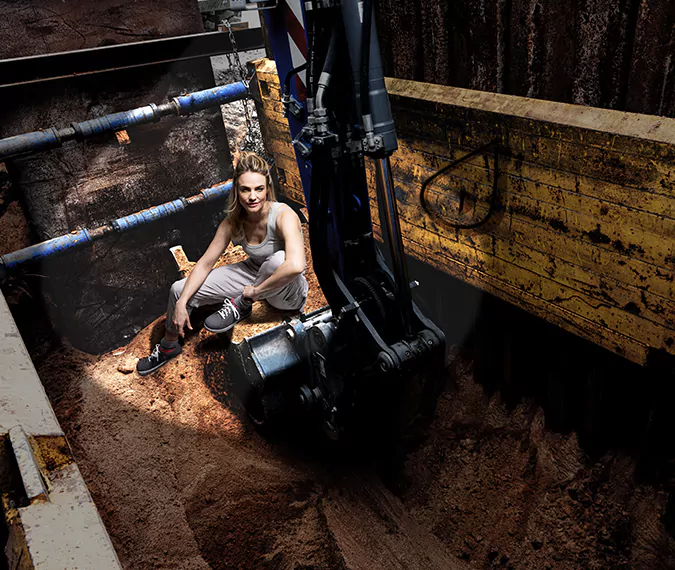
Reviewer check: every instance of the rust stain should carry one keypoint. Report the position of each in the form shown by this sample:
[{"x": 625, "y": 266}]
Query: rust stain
[{"x": 52, "y": 452}]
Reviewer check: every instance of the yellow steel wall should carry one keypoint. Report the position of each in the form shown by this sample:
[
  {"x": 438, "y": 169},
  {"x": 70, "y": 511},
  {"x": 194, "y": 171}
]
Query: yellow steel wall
[
  {"x": 583, "y": 233},
  {"x": 274, "y": 128}
]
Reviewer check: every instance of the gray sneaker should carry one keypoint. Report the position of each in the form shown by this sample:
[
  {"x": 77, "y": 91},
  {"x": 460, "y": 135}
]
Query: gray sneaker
[{"x": 226, "y": 317}]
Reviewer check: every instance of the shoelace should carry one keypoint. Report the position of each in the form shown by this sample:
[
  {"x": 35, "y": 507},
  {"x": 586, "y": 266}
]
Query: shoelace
[
  {"x": 227, "y": 308},
  {"x": 155, "y": 353}
]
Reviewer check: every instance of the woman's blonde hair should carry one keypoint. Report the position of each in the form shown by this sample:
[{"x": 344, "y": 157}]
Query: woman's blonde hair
[{"x": 248, "y": 162}]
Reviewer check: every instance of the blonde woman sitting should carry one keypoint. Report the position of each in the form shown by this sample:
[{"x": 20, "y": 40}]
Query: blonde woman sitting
[{"x": 271, "y": 235}]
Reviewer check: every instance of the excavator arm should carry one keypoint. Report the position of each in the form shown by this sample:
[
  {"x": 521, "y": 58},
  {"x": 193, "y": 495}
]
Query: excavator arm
[{"x": 371, "y": 352}]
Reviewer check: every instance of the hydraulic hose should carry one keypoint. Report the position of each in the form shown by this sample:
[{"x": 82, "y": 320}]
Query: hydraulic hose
[
  {"x": 290, "y": 74},
  {"x": 324, "y": 79},
  {"x": 365, "y": 57}
]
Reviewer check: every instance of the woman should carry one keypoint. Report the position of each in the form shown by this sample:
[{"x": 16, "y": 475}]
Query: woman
[{"x": 271, "y": 235}]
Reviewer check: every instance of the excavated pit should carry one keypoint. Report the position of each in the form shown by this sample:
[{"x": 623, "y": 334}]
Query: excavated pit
[
  {"x": 182, "y": 480},
  {"x": 545, "y": 452}
]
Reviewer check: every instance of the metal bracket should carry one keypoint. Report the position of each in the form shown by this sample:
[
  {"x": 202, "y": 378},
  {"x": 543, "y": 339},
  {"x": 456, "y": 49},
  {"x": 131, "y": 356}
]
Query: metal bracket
[{"x": 291, "y": 104}]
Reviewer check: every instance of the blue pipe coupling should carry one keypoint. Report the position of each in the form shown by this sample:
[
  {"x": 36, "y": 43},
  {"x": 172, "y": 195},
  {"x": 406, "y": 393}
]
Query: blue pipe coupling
[
  {"x": 211, "y": 97},
  {"x": 116, "y": 122},
  {"x": 30, "y": 142}
]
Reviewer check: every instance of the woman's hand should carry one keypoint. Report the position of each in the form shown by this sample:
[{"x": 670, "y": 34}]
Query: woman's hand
[
  {"x": 250, "y": 292},
  {"x": 181, "y": 319}
]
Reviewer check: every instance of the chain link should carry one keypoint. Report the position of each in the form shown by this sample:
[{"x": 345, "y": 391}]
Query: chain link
[{"x": 253, "y": 138}]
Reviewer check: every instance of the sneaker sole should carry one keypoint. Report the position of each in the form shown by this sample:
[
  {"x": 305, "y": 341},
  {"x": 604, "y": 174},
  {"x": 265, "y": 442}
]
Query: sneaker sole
[
  {"x": 151, "y": 370},
  {"x": 220, "y": 330},
  {"x": 226, "y": 328}
]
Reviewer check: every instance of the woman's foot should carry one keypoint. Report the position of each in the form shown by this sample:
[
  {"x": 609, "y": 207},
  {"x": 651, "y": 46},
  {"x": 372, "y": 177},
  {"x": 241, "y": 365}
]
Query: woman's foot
[
  {"x": 232, "y": 312},
  {"x": 159, "y": 356}
]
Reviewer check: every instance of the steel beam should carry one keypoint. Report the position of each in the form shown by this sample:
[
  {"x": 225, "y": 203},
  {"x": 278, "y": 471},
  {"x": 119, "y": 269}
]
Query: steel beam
[{"x": 70, "y": 64}]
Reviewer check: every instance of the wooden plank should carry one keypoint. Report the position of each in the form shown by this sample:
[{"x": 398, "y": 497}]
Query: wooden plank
[
  {"x": 521, "y": 270},
  {"x": 268, "y": 76},
  {"x": 287, "y": 163},
  {"x": 429, "y": 252},
  {"x": 274, "y": 106},
  {"x": 264, "y": 65},
  {"x": 435, "y": 156},
  {"x": 274, "y": 115},
  {"x": 625, "y": 230},
  {"x": 630, "y": 125},
  {"x": 609, "y": 165},
  {"x": 519, "y": 230},
  {"x": 278, "y": 132},
  {"x": 291, "y": 193},
  {"x": 270, "y": 92}
]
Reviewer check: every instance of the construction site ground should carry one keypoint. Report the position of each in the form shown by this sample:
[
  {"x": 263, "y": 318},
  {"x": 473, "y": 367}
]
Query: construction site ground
[{"x": 182, "y": 479}]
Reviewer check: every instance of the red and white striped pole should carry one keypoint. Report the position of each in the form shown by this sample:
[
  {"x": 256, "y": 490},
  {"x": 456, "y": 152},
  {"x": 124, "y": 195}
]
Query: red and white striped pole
[{"x": 297, "y": 41}]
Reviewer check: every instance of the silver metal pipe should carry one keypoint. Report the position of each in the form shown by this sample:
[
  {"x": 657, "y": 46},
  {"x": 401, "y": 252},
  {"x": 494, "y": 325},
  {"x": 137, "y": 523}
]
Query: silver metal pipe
[{"x": 388, "y": 210}]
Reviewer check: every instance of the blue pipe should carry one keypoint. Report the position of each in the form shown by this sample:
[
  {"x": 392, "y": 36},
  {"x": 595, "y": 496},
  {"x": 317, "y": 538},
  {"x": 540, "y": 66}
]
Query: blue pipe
[
  {"x": 40, "y": 141},
  {"x": 149, "y": 215},
  {"x": 80, "y": 238},
  {"x": 45, "y": 249},
  {"x": 30, "y": 142},
  {"x": 211, "y": 97},
  {"x": 116, "y": 122}
]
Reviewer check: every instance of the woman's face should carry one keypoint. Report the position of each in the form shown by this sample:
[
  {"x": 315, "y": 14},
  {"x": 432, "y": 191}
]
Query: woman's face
[{"x": 252, "y": 191}]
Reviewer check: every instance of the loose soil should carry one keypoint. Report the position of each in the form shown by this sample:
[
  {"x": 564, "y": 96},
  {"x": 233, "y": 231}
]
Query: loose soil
[{"x": 183, "y": 481}]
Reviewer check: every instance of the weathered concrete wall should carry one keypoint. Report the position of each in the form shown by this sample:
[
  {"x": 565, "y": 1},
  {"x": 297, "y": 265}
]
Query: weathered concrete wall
[
  {"x": 48, "y": 26},
  {"x": 605, "y": 53},
  {"x": 100, "y": 297}
]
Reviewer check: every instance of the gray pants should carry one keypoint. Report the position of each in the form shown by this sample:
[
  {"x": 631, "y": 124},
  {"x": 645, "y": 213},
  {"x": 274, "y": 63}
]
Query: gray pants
[{"x": 228, "y": 282}]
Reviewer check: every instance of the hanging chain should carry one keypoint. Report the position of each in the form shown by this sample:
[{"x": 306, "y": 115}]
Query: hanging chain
[{"x": 253, "y": 138}]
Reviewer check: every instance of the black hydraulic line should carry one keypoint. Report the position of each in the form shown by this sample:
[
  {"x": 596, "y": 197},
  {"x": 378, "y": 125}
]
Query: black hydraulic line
[
  {"x": 322, "y": 178},
  {"x": 365, "y": 57},
  {"x": 290, "y": 74},
  {"x": 324, "y": 78},
  {"x": 72, "y": 64},
  {"x": 386, "y": 197}
]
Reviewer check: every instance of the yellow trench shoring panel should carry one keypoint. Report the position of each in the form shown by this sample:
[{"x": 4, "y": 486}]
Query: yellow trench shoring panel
[{"x": 582, "y": 232}]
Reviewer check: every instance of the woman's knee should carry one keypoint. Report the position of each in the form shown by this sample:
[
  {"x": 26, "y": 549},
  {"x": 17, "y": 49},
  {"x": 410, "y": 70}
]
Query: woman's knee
[
  {"x": 177, "y": 289},
  {"x": 272, "y": 263}
]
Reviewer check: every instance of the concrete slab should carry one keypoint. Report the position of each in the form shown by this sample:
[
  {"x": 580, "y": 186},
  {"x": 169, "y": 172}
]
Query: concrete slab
[
  {"x": 23, "y": 400},
  {"x": 52, "y": 520}
]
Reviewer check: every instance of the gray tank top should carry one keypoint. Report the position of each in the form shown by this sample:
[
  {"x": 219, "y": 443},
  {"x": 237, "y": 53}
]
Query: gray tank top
[{"x": 272, "y": 243}]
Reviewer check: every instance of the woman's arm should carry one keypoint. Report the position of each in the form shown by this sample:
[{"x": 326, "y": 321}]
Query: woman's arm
[{"x": 288, "y": 224}]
